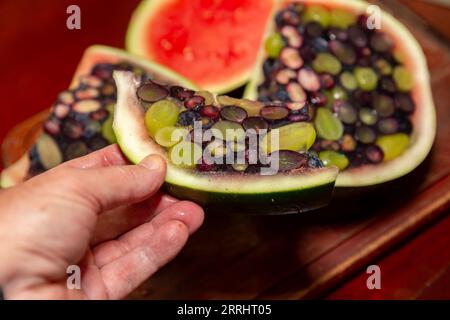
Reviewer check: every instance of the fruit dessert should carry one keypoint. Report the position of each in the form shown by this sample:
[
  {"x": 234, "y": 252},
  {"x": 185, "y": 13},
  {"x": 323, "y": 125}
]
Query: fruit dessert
[
  {"x": 213, "y": 43},
  {"x": 368, "y": 88},
  {"x": 81, "y": 118},
  {"x": 223, "y": 153}
]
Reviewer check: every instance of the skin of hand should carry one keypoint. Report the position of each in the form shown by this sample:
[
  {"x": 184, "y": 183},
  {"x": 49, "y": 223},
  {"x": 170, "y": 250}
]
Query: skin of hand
[{"x": 99, "y": 213}]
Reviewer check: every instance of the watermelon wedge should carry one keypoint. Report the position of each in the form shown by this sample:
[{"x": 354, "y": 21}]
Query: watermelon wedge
[
  {"x": 81, "y": 118},
  {"x": 213, "y": 43}
]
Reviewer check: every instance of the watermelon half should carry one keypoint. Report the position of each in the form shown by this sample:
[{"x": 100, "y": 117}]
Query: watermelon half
[
  {"x": 423, "y": 119},
  {"x": 213, "y": 43}
]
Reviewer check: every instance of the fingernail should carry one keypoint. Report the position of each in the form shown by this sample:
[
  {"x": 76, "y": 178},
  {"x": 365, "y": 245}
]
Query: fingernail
[{"x": 152, "y": 162}]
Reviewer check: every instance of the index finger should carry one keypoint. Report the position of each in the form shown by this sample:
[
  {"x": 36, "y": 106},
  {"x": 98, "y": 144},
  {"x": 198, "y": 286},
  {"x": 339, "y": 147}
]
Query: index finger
[{"x": 108, "y": 156}]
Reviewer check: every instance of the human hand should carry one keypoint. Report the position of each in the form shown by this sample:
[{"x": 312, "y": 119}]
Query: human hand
[{"x": 97, "y": 212}]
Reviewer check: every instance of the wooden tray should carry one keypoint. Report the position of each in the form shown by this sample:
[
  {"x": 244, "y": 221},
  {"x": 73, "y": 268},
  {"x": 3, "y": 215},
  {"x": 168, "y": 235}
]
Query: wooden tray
[{"x": 304, "y": 256}]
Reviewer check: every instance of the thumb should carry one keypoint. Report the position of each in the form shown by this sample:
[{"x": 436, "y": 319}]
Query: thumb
[{"x": 110, "y": 187}]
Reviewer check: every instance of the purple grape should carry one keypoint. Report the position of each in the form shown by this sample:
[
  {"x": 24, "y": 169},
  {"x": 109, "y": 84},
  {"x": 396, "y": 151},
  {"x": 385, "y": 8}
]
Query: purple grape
[
  {"x": 374, "y": 154},
  {"x": 357, "y": 36},
  {"x": 313, "y": 30},
  {"x": 255, "y": 123},
  {"x": 272, "y": 113},
  {"x": 290, "y": 160},
  {"x": 151, "y": 92},
  {"x": 404, "y": 102},
  {"x": 381, "y": 42},
  {"x": 233, "y": 113},
  {"x": 387, "y": 85},
  {"x": 195, "y": 103}
]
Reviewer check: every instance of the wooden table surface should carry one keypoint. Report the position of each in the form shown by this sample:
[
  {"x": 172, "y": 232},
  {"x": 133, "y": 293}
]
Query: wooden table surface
[
  {"x": 260, "y": 257},
  {"x": 419, "y": 267}
]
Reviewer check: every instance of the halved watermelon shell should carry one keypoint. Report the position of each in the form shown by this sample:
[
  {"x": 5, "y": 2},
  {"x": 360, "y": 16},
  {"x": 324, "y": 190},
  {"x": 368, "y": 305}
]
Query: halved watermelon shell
[
  {"x": 423, "y": 119},
  {"x": 281, "y": 193},
  {"x": 93, "y": 55}
]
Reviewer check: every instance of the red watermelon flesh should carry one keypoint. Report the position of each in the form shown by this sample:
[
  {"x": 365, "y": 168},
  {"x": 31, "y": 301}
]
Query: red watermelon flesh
[{"x": 212, "y": 42}]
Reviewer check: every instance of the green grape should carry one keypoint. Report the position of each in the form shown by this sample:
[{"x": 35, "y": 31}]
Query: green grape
[
  {"x": 239, "y": 167},
  {"x": 337, "y": 93},
  {"x": 383, "y": 67},
  {"x": 49, "y": 152},
  {"x": 209, "y": 97},
  {"x": 274, "y": 45},
  {"x": 228, "y": 130},
  {"x": 317, "y": 14},
  {"x": 298, "y": 136},
  {"x": 237, "y": 146},
  {"x": 403, "y": 79},
  {"x": 93, "y": 126},
  {"x": 185, "y": 154},
  {"x": 393, "y": 145},
  {"x": 252, "y": 107},
  {"x": 326, "y": 62},
  {"x": 107, "y": 130},
  {"x": 327, "y": 125},
  {"x": 368, "y": 116},
  {"x": 163, "y": 113},
  {"x": 169, "y": 136},
  {"x": 110, "y": 108},
  {"x": 348, "y": 81},
  {"x": 341, "y": 19},
  {"x": 330, "y": 158},
  {"x": 217, "y": 149},
  {"x": 366, "y": 77},
  {"x": 347, "y": 114}
]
